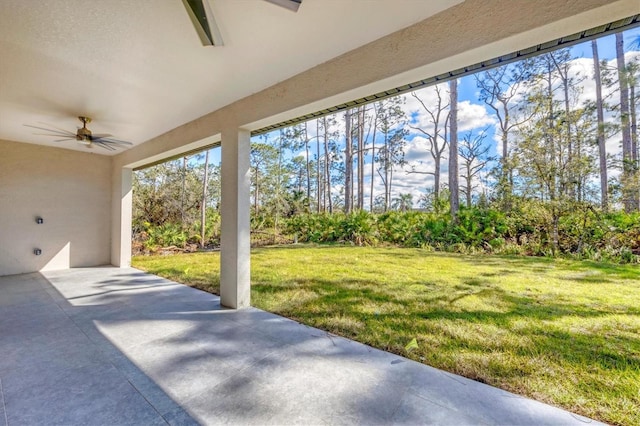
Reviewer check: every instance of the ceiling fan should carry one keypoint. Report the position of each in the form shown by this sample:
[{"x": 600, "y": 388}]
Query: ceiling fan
[{"x": 83, "y": 136}]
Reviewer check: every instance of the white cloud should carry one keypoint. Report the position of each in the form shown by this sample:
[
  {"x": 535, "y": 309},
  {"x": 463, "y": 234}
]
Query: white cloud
[{"x": 473, "y": 116}]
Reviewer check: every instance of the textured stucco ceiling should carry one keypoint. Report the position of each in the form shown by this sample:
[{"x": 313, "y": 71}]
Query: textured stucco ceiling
[{"x": 138, "y": 68}]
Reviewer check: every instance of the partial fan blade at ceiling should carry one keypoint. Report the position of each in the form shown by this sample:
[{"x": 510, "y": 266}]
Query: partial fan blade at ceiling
[
  {"x": 55, "y": 135},
  {"x": 111, "y": 145},
  {"x": 205, "y": 23},
  {"x": 60, "y": 132},
  {"x": 288, "y": 4},
  {"x": 111, "y": 141},
  {"x": 105, "y": 146}
]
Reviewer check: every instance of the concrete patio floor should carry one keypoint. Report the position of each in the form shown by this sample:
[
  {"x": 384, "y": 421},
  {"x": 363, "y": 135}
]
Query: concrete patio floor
[{"x": 111, "y": 346}]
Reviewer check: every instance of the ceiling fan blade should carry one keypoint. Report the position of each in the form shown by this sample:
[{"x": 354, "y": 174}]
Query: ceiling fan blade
[
  {"x": 292, "y": 5},
  {"x": 111, "y": 141},
  {"x": 59, "y": 131},
  {"x": 100, "y": 135},
  {"x": 64, "y": 140},
  {"x": 204, "y": 22},
  {"x": 57, "y": 135},
  {"x": 104, "y": 145}
]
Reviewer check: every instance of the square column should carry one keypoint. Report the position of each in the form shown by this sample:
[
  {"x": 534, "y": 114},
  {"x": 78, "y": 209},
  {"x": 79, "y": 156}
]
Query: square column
[
  {"x": 235, "y": 244},
  {"x": 121, "y": 208}
]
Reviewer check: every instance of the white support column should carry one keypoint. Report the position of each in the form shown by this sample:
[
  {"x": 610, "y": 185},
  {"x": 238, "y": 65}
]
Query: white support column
[
  {"x": 121, "y": 202},
  {"x": 235, "y": 284}
]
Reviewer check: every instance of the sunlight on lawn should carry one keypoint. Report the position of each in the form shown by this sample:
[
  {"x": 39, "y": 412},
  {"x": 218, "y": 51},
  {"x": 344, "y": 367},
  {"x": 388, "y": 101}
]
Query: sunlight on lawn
[{"x": 563, "y": 332}]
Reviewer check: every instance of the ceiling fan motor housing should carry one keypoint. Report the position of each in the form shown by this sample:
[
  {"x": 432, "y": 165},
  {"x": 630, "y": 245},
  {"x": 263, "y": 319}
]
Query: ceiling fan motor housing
[{"x": 84, "y": 134}]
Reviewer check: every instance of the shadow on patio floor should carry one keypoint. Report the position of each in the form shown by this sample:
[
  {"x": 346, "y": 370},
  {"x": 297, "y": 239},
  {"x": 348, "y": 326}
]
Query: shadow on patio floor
[{"x": 118, "y": 346}]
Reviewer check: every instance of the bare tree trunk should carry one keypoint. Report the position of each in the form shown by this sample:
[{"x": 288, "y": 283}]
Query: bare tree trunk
[
  {"x": 602, "y": 149},
  {"x": 361, "y": 157},
  {"x": 276, "y": 218},
  {"x": 506, "y": 175},
  {"x": 627, "y": 169},
  {"x": 552, "y": 181},
  {"x": 183, "y": 190},
  {"x": 327, "y": 164},
  {"x": 567, "y": 187},
  {"x": 468, "y": 192},
  {"x": 390, "y": 180},
  {"x": 203, "y": 206},
  {"x": 454, "y": 199},
  {"x": 634, "y": 124},
  {"x": 570, "y": 149},
  {"x": 318, "y": 192},
  {"x": 436, "y": 181},
  {"x": 306, "y": 148},
  {"x": 434, "y": 136},
  {"x": 348, "y": 163},
  {"x": 551, "y": 186},
  {"x": 387, "y": 163},
  {"x": 373, "y": 159},
  {"x": 256, "y": 195},
  {"x": 634, "y": 144}
]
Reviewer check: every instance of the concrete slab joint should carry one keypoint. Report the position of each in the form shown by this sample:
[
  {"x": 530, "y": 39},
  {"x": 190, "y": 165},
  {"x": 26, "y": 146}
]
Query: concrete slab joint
[{"x": 235, "y": 232}]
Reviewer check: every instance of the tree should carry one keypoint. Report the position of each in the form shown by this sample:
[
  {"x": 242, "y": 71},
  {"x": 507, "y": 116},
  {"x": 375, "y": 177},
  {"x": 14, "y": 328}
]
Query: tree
[
  {"x": 602, "y": 148},
  {"x": 330, "y": 154},
  {"x": 500, "y": 89},
  {"x": 391, "y": 120},
  {"x": 263, "y": 162},
  {"x": 183, "y": 192},
  {"x": 373, "y": 154},
  {"x": 319, "y": 177},
  {"x": 633, "y": 76},
  {"x": 298, "y": 138},
  {"x": 326, "y": 131},
  {"x": 562, "y": 61},
  {"x": 348, "y": 163},
  {"x": 435, "y": 134},
  {"x": 474, "y": 154},
  {"x": 203, "y": 205},
  {"x": 360, "y": 153},
  {"x": 403, "y": 202},
  {"x": 169, "y": 198},
  {"x": 454, "y": 199},
  {"x": 549, "y": 169},
  {"x": 629, "y": 195}
]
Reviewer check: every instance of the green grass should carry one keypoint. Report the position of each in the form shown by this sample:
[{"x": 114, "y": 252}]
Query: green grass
[{"x": 560, "y": 331}]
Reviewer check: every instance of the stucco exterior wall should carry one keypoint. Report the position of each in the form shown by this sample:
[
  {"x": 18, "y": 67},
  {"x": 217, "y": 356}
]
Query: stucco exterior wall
[{"x": 70, "y": 190}]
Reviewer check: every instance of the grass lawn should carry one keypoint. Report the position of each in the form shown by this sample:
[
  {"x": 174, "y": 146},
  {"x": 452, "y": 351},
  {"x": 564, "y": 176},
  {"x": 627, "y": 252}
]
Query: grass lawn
[{"x": 563, "y": 332}]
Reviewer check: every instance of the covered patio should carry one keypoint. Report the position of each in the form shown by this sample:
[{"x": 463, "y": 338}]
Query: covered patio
[
  {"x": 142, "y": 74},
  {"x": 116, "y": 346},
  {"x": 84, "y": 343}
]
